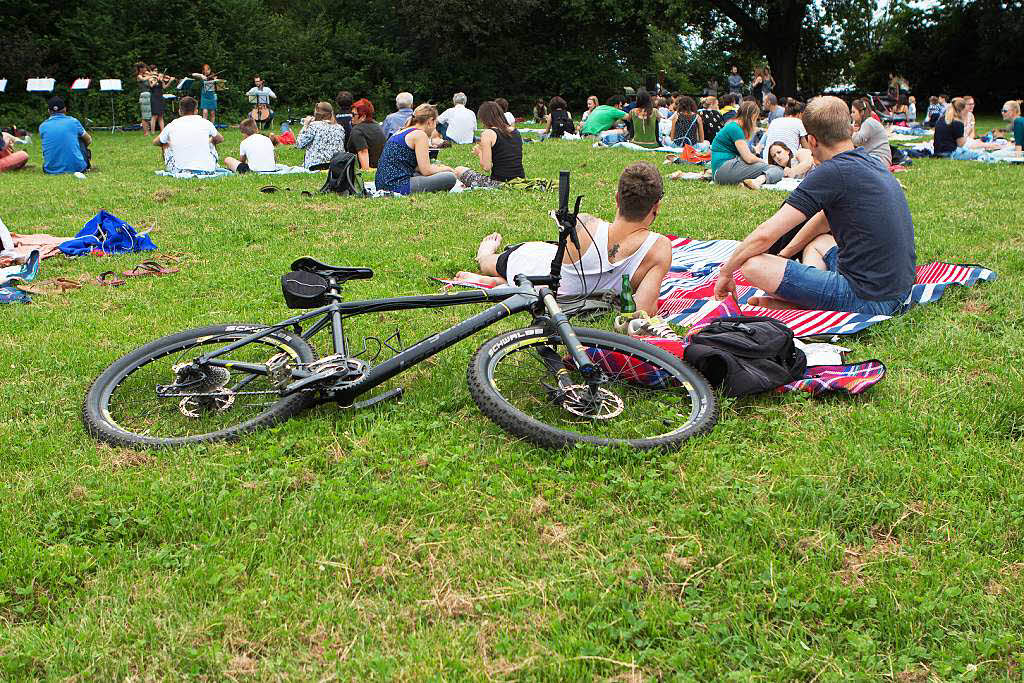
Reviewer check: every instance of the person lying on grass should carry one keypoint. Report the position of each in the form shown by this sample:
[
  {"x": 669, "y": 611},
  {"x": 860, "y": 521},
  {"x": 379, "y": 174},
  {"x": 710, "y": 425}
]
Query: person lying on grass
[
  {"x": 792, "y": 165},
  {"x": 255, "y": 153},
  {"x": 857, "y": 235},
  {"x": 188, "y": 141},
  {"x": 626, "y": 246},
  {"x": 500, "y": 150}
]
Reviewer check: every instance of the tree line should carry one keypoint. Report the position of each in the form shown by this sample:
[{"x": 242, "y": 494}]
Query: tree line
[{"x": 518, "y": 49}]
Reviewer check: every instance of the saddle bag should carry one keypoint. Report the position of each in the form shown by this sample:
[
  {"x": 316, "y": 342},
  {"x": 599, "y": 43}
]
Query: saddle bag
[
  {"x": 303, "y": 289},
  {"x": 746, "y": 354}
]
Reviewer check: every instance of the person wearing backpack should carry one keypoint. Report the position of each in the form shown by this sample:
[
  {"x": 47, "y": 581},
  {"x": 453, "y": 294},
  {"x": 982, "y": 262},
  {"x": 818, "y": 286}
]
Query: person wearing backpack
[
  {"x": 500, "y": 151},
  {"x": 559, "y": 121},
  {"x": 405, "y": 165}
]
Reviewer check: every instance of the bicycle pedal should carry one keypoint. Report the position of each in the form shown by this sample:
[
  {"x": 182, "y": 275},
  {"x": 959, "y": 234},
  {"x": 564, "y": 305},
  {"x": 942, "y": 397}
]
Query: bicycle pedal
[{"x": 315, "y": 381}]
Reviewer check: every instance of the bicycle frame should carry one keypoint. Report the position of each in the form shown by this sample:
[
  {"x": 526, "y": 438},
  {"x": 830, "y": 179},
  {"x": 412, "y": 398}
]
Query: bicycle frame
[
  {"x": 508, "y": 300},
  {"x": 529, "y": 293}
]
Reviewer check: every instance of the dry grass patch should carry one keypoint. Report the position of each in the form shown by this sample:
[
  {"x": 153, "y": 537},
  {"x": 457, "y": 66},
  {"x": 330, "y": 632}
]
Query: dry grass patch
[{"x": 857, "y": 558}]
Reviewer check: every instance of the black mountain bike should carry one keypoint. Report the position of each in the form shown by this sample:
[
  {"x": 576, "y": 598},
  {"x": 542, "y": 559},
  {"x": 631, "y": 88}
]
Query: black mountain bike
[{"x": 551, "y": 383}]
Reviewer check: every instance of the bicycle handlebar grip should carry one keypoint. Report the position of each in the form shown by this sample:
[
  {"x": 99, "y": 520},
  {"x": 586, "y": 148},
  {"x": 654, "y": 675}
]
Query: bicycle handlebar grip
[{"x": 563, "y": 191}]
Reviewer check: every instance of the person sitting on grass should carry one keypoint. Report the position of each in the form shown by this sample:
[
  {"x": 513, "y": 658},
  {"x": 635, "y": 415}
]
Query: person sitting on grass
[
  {"x": 732, "y": 162},
  {"x": 773, "y": 108},
  {"x": 65, "y": 142},
  {"x": 367, "y": 138},
  {"x": 509, "y": 116},
  {"x": 626, "y": 246},
  {"x": 255, "y": 153},
  {"x": 188, "y": 142},
  {"x": 857, "y": 236},
  {"x": 322, "y": 137},
  {"x": 9, "y": 159},
  {"x": 559, "y": 119},
  {"x": 730, "y": 107},
  {"x": 788, "y": 130},
  {"x": 687, "y": 124},
  {"x": 869, "y": 133},
  {"x": 343, "y": 111},
  {"x": 792, "y": 165},
  {"x": 1011, "y": 114},
  {"x": 405, "y": 166},
  {"x": 950, "y": 136},
  {"x": 604, "y": 117},
  {"x": 457, "y": 124},
  {"x": 710, "y": 117},
  {"x": 396, "y": 121},
  {"x": 935, "y": 110},
  {"x": 592, "y": 103},
  {"x": 644, "y": 118},
  {"x": 500, "y": 150}
]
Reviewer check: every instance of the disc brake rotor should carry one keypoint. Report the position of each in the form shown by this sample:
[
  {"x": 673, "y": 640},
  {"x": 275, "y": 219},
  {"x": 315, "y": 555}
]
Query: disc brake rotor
[{"x": 600, "y": 405}]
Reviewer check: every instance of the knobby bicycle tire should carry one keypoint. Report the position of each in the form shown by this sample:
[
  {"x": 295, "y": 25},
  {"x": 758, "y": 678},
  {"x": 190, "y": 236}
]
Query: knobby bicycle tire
[
  {"x": 696, "y": 412},
  {"x": 102, "y": 425}
]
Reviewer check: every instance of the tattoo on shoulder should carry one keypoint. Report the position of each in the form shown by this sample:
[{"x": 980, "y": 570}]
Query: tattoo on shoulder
[{"x": 613, "y": 251}]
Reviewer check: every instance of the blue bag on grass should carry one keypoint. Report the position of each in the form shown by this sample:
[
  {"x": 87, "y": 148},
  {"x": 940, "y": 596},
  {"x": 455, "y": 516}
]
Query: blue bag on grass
[{"x": 108, "y": 233}]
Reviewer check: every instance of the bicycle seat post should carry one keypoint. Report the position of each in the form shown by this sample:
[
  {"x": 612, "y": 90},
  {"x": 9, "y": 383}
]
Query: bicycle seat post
[{"x": 337, "y": 326}]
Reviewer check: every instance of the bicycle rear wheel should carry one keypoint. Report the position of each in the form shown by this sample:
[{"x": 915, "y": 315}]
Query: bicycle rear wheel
[
  {"x": 154, "y": 396},
  {"x": 648, "y": 398}
]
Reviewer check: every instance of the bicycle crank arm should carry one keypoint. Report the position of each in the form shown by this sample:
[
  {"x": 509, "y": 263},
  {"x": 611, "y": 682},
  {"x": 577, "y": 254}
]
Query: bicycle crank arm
[{"x": 395, "y": 393}]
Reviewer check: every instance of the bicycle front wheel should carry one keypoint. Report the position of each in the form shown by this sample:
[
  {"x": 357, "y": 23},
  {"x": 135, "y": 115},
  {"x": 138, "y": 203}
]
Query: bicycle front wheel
[
  {"x": 647, "y": 399},
  {"x": 155, "y": 396}
]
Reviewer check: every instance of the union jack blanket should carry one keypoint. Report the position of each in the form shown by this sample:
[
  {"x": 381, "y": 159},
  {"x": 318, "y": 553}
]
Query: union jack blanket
[{"x": 687, "y": 292}]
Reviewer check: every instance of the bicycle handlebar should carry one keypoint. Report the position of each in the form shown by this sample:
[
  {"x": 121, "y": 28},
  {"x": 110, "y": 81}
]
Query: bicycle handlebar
[{"x": 563, "y": 192}]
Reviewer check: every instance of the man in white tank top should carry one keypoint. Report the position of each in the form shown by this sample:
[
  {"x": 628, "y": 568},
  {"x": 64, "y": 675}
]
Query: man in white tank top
[{"x": 609, "y": 250}]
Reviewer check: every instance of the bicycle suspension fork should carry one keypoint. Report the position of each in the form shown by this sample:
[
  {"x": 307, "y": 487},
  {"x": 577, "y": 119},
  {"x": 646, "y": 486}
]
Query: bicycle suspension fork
[{"x": 590, "y": 372}]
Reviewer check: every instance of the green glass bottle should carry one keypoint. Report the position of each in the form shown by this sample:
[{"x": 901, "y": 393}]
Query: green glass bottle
[{"x": 626, "y": 297}]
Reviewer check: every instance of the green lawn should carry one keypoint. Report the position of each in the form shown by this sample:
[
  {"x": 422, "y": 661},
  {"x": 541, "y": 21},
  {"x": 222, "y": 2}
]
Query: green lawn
[{"x": 878, "y": 537}]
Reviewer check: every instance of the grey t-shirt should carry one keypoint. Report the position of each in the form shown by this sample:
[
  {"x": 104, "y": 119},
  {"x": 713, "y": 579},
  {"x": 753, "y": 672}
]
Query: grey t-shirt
[
  {"x": 870, "y": 220},
  {"x": 875, "y": 141}
]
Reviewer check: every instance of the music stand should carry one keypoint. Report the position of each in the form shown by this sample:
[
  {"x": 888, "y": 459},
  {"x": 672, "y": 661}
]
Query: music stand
[
  {"x": 43, "y": 86},
  {"x": 3, "y": 85},
  {"x": 185, "y": 85},
  {"x": 111, "y": 85},
  {"x": 82, "y": 85}
]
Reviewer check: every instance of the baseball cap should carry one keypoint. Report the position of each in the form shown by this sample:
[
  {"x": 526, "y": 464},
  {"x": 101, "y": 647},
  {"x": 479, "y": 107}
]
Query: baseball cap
[{"x": 55, "y": 104}]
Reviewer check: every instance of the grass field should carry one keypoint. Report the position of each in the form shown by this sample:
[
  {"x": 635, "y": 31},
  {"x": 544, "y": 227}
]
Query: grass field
[{"x": 880, "y": 537}]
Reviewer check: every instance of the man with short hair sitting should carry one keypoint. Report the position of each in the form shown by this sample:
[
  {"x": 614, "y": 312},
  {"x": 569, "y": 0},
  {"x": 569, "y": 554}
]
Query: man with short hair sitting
[
  {"x": 396, "y": 121},
  {"x": 255, "y": 153},
  {"x": 457, "y": 123},
  {"x": 857, "y": 236},
  {"x": 188, "y": 141},
  {"x": 608, "y": 251},
  {"x": 65, "y": 142}
]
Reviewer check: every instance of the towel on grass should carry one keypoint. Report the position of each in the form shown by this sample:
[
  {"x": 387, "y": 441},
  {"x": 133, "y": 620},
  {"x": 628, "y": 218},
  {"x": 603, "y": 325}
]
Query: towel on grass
[
  {"x": 784, "y": 185},
  {"x": 219, "y": 172},
  {"x": 107, "y": 233},
  {"x": 635, "y": 147},
  {"x": 687, "y": 291}
]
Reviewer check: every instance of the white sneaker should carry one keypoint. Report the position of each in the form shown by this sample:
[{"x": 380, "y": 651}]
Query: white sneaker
[{"x": 639, "y": 324}]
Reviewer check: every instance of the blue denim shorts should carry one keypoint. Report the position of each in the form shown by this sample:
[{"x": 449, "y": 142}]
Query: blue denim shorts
[{"x": 827, "y": 290}]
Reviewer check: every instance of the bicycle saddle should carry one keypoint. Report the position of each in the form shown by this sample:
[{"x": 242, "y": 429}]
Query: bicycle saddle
[{"x": 340, "y": 273}]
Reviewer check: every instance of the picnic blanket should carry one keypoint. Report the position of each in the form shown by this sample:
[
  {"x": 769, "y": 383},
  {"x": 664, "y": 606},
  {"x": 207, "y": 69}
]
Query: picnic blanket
[
  {"x": 635, "y": 147},
  {"x": 219, "y": 172},
  {"x": 687, "y": 291},
  {"x": 784, "y": 185}
]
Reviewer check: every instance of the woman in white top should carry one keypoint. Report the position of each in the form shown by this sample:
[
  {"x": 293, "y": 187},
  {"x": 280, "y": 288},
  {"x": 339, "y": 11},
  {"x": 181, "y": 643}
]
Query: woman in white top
[
  {"x": 322, "y": 137},
  {"x": 591, "y": 106}
]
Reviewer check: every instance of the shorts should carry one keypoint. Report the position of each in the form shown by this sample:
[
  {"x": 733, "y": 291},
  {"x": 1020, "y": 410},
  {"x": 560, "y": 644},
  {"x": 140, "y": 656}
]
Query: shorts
[
  {"x": 242, "y": 168},
  {"x": 814, "y": 289},
  {"x": 525, "y": 258}
]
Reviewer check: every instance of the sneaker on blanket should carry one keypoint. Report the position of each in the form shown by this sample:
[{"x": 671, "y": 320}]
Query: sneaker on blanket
[{"x": 639, "y": 324}]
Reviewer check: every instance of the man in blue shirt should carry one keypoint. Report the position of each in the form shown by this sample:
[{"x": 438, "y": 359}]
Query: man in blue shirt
[
  {"x": 396, "y": 121},
  {"x": 857, "y": 236},
  {"x": 65, "y": 142}
]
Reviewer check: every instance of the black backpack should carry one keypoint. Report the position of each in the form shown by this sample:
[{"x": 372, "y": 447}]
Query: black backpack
[
  {"x": 344, "y": 176},
  {"x": 561, "y": 123},
  {"x": 746, "y": 354}
]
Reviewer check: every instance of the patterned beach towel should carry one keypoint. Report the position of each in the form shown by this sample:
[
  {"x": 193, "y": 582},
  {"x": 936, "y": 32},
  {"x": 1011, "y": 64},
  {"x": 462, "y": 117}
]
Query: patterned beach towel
[{"x": 687, "y": 292}]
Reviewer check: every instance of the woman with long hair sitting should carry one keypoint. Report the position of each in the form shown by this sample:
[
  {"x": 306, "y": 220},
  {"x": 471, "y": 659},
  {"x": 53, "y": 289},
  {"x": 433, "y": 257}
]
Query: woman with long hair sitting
[
  {"x": 500, "y": 150},
  {"x": 559, "y": 119},
  {"x": 732, "y": 161},
  {"x": 869, "y": 133},
  {"x": 781, "y": 156},
  {"x": 322, "y": 137},
  {"x": 644, "y": 118},
  {"x": 405, "y": 165}
]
